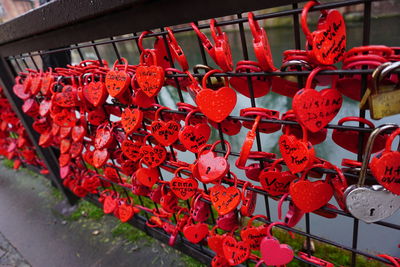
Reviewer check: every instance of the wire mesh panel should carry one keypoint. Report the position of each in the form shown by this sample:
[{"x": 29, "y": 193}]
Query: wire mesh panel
[{"x": 328, "y": 225}]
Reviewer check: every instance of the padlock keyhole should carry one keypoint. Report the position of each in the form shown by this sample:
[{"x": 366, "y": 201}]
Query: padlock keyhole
[
  {"x": 371, "y": 212},
  {"x": 208, "y": 170}
]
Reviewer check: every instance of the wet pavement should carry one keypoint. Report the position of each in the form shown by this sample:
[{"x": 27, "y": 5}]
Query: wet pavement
[{"x": 33, "y": 233}]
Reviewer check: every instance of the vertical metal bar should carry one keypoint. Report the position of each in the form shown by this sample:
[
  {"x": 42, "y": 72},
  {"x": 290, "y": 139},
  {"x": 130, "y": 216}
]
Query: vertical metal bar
[
  {"x": 34, "y": 62},
  {"x": 18, "y": 65},
  {"x": 116, "y": 50},
  {"x": 46, "y": 154}
]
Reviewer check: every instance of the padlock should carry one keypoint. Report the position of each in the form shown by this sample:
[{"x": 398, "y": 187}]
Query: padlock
[
  {"x": 249, "y": 200},
  {"x": 200, "y": 210},
  {"x": 371, "y": 203},
  {"x": 149, "y": 76},
  {"x": 228, "y": 222},
  {"x": 348, "y": 139},
  {"x": 193, "y": 137},
  {"x": 327, "y": 44},
  {"x": 254, "y": 234},
  {"x": 386, "y": 166},
  {"x": 176, "y": 51},
  {"x": 183, "y": 188},
  {"x": 225, "y": 199},
  {"x": 387, "y": 103},
  {"x": 195, "y": 233},
  {"x": 166, "y": 133}
]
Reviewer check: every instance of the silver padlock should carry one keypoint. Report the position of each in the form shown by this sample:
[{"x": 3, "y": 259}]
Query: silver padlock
[{"x": 371, "y": 203}]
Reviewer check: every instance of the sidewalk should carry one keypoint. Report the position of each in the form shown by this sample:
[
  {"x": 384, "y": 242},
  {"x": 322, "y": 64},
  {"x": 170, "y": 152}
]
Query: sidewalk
[{"x": 42, "y": 237}]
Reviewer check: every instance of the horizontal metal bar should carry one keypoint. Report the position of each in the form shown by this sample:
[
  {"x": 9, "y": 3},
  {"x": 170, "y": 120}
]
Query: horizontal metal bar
[{"x": 216, "y": 10}]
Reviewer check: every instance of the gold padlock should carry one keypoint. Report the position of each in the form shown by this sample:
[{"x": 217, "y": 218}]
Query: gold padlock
[{"x": 383, "y": 103}]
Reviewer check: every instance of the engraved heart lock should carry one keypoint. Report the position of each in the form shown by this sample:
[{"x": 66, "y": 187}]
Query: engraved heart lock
[
  {"x": 97, "y": 116},
  {"x": 348, "y": 139},
  {"x": 117, "y": 81},
  {"x": 67, "y": 98},
  {"x": 100, "y": 157},
  {"x": 195, "y": 232},
  {"x": 371, "y": 203},
  {"x": 131, "y": 120},
  {"x": 257, "y": 86},
  {"x": 327, "y": 44},
  {"x": 125, "y": 211},
  {"x": 215, "y": 241},
  {"x": 150, "y": 78},
  {"x": 386, "y": 166},
  {"x": 19, "y": 89},
  {"x": 168, "y": 201},
  {"x": 193, "y": 137},
  {"x": 152, "y": 156},
  {"x": 235, "y": 251},
  {"x": 166, "y": 133},
  {"x": 225, "y": 199},
  {"x": 219, "y": 261},
  {"x": 104, "y": 136},
  {"x": 95, "y": 92},
  {"x": 131, "y": 149},
  {"x": 315, "y": 109},
  {"x": 274, "y": 181},
  {"x": 310, "y": 196},
  {"x": 254, "y": 234},
  {"x": 272, "y": 251},
  {"x": 216, "y": 105},
  {"x": 211, "y": 167},
  {"x": 31, "y": 107},
  {"x": 183, "y": 188},
  {"x": 298, "y": 154}
]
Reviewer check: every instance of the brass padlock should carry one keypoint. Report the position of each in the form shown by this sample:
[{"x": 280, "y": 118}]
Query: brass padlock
[
  {"x": 371, "y": 203},
  {"x": 384, "y": 103}
]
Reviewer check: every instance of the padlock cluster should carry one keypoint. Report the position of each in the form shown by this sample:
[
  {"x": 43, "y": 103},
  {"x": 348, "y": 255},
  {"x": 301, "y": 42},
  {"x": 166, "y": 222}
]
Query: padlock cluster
[
  {"x": 114, "y": 138},
  {"x": 15, "y": 144}
]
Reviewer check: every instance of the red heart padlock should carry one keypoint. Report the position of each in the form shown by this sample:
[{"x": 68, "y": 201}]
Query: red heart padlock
[
  {"x": 219, "y": 261},
  {"x": 210, "y": 166},
  {"x": 104, "y": 136},
  {"x": 348, "y": 139},
  {"x": 274, "y": 181},
  {"x": 168, "y": 201},
  {"x": 31, "y": 107},
  {"x": 109, "y": 204},
  {"x": 386, "y": 166},
  {"x": 216, "y": 105},
  {"x": 228, "y": 222},
  {"x": 19, "y": 89},
  {"x": 235, "y": 251},
  {"x": 166, "y": 133},
  {"x": 215, "y": 241},
  {"x": 153, "y": 156},
  {"x": 200, "y": 210},
  {"x": 149, "y": 78},
  {"x": 78, "y": 132},
  {"x": 225, "y": 199},
  {"x": 76, "y": 149},
  {"x": 65, "y": 118},
  {"x": 131, "y": 119},
  {"x": 100, "y": 157},
  {"x": 67, "y": 98},
  {"x": 254, "y": 234},
  {"x": 117, "y": 81},
  {"x": 229, "y": 126},
  {"x": 194, "y": 137},
  {"x": 327, "y": 44},
  {"x": 264, "y": 127},
  {"x": 41, "y": 125},
  {"x": 147, "y": 176},
  {"x": 95, "y": 93},
  {"x": 65, "y": 145},
  {"x": 96, "y": 116},
  {"x": 195, "y": 232},
  {"x": 125, "y": 212},
  {"x": 131, "y": 149},
  {"x": 310, "y": 196},
  {"x": 183, "y": 188},
  {"x": 297, "y": 154},
  {"x": 45, "y": 107},
  {"x": 316, "y": 109}
]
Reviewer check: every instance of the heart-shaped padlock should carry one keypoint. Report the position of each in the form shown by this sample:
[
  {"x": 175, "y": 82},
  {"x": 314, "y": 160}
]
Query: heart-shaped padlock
[
  {"x": 117, "y": 81},
  {"x": 371, "y": 203},
  {"x": 210, "y": 166},
  {"x": 235, "y": 251},
  {"x": 315, "y": 109},
  {"x": 228, "y": 222},
  {"x": 183, "y": 188},
  {"x": 166, "y": 133},
  {"x": 193, "y": 137},
  {"x": 254, "y": 234},
  {"x": 225, "y": 199},
  {"x": 274, "y": 181},
  {"x": 297, "y": 154},
  {"x": 200, "y": 210},
  {"x": 150, "y": 78},
  {"x": 327, "y": 44},
  {"x": 147, "y": 176},
  {"x": 195, "y": 232},
  {"x": 131, "y": 119},
  {"x": 386, "y": 166},
  {"x": 216, "y": 105}
]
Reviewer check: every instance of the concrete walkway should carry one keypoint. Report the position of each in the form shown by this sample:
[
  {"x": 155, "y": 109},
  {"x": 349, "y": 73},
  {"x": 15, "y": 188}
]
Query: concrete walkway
[{"x": 33, "y": 234}]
